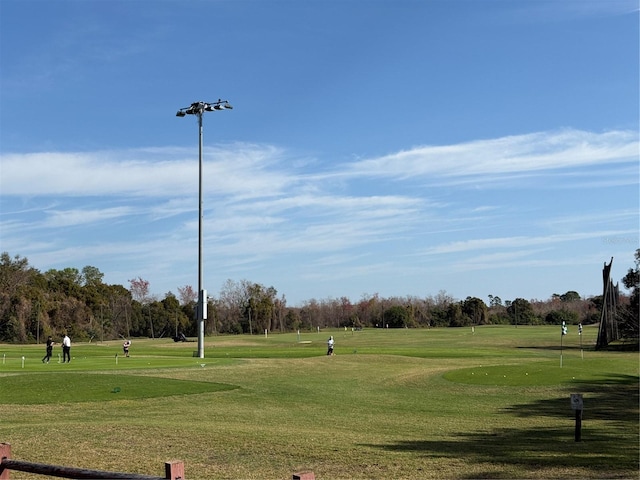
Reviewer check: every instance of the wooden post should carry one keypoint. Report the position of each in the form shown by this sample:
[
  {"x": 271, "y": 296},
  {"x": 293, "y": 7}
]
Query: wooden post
[
  {"x": 5, "y": 452},
  {"x": 174, "y": 470},
  {"x": 304, "y": 476},
  {"x": 578, "y": 431}
]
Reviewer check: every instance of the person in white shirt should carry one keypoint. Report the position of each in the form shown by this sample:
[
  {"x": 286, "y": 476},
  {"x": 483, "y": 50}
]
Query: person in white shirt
[
  {"x": 330, "y": 343},
  {"x": 66, "y": 349},
  {"x": 125, "y": 347}
]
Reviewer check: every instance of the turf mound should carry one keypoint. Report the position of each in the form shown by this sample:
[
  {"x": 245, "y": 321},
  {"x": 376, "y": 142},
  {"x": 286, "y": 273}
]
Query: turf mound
[{"x": 87, "y": 387}]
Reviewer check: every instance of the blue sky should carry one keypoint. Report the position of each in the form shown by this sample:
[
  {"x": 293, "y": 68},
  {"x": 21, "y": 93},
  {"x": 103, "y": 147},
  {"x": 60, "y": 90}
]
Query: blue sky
[{"x": 392, "y": 147}]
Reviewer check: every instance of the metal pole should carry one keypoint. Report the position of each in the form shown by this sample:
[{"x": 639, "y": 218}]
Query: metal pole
[
  {"x": 199, "y": 108},
  {"x": 201, "y": 300}
]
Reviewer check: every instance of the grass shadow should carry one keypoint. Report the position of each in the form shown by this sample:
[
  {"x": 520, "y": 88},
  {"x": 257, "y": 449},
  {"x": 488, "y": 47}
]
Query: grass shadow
[
  {"x": 531, "y": 450},
  {"x": 606, "y": 451},
  {"x": 615, "y": 398}
]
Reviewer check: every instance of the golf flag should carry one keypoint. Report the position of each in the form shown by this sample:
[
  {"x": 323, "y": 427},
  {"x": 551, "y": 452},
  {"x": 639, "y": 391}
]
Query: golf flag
[
  {"x": 579, "y": 329},
  {"x": 564, "y": 328}
]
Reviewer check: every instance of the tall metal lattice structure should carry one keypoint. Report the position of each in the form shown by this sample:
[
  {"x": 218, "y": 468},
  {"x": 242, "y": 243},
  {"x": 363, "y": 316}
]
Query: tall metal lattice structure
[{"x": 608, "y": 331}]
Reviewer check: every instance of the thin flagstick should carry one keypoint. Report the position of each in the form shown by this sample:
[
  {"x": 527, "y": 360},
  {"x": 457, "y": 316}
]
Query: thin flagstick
[{"x": 562, "y": 332}]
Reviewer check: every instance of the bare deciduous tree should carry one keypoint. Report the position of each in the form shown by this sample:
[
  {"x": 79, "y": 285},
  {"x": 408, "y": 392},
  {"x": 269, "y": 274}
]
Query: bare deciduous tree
[{"x": 187, "y": 294}]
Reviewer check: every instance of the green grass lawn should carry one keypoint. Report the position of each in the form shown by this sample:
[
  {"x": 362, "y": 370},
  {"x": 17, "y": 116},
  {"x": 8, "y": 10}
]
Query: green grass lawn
[{"x": 439, "y": 403}]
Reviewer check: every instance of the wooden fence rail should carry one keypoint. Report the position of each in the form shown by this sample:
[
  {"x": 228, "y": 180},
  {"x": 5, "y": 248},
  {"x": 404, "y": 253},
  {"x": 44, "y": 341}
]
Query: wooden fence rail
[{"x": 173, "y": 470}]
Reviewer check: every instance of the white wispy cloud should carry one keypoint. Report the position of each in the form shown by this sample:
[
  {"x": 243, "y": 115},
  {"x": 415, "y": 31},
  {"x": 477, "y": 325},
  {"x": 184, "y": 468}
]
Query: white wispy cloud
[
  {"x": 518, "y": 241},
  {"x": 138, "y": 206},
  {"x": 73, "y": 52},
  {"x": 253, "y": 171},
  {"x": 242, "y": 170},
  {"x": 67, "y": 218},
  {"x": 547, "y": 12},
  {"x": 506, "y": 156},
  {"x": 589, "y": 8}
]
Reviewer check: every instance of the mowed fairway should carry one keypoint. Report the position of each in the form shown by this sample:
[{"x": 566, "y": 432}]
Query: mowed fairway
[{"x": 391, "y": 404}]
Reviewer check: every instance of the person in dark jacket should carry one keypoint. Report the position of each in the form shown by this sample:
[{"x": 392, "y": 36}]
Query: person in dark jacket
[{"x": 50, "y": 344}]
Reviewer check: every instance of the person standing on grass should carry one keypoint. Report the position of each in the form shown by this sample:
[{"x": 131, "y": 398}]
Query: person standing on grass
[
  {"x": 50, "y": 344},
  {"x": 125, "y": 347},
  {"x": 330, "y": 344},
  {"x": 66, "y": 349}
]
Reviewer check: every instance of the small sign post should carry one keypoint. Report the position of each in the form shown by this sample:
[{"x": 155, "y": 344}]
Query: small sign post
[{"x": 576, "y": 406}]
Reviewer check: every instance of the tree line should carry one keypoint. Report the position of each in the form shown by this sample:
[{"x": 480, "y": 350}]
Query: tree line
[{"x": 34, "y": 305}]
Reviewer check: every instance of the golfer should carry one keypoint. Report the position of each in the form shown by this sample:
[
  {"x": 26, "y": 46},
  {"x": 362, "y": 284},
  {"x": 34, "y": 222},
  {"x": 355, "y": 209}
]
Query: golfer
[
  {"x": 330, "y": 343},
  {"x": 66, "y": 349},
  {"x": 125, "y": 347},
  {"x": 50, "y": 344}
]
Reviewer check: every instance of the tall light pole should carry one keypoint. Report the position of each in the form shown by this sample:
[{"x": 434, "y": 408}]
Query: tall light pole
[{"x": 198, "y": 108}]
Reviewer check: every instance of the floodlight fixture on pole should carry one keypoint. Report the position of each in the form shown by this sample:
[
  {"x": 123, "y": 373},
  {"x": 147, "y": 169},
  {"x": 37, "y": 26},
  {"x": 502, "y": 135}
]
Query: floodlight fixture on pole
[{"x": 199, "y": 108}]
